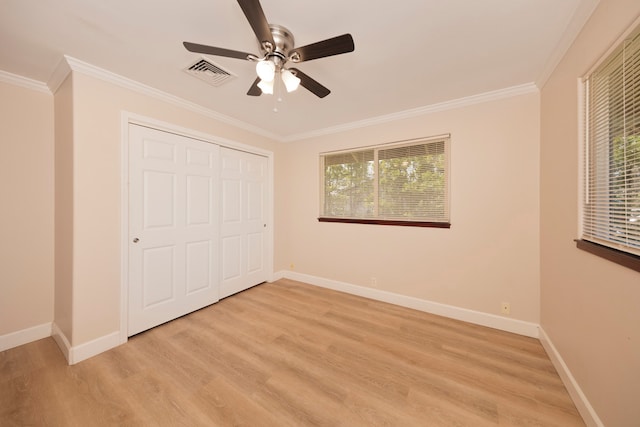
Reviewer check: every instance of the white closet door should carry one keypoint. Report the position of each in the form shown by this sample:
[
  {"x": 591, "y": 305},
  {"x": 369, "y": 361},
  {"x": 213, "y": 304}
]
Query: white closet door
[
  {"x": 173, "y": 226},
  {"x": 243, "y": 244}
]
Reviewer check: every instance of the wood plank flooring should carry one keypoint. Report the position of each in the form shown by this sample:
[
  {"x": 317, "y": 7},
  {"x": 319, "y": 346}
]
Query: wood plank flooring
[{"x": 291, "y": 354}]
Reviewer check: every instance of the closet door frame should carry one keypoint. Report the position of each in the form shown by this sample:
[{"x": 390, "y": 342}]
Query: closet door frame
[{"x": 128, "y": 118}]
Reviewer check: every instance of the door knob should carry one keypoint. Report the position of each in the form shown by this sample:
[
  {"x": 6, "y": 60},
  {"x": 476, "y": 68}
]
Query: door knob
[{"x": 136, "y": 240}]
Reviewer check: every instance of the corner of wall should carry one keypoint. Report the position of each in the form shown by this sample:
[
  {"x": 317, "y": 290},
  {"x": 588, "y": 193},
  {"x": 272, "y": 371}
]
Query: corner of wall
[
  {"x": 62, "y": 70},
  {"x": 62, "y": 341},
  {"x": 577, "y": 395},
  {"x": 89, "y": 349}
]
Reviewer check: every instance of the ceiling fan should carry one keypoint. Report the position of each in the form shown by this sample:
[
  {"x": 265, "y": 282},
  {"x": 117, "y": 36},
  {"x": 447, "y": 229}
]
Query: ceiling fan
[{"x": 277, "y": 49}]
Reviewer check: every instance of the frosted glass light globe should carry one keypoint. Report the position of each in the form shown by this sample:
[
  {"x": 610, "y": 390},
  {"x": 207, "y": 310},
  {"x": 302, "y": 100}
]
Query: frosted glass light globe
[{"x": 266, "y": 70}]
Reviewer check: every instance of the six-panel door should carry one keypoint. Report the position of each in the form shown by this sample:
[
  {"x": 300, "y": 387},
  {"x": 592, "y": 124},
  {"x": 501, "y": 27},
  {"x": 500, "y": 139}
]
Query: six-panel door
[
  {"x": 243, "y": 221},
  {"x": 173, "y": 226}
]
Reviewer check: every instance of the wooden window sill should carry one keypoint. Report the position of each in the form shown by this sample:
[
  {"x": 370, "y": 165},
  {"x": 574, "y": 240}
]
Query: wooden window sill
[
  {"x": 619, "y": 257},
  {"x": 387, "y": 222}
]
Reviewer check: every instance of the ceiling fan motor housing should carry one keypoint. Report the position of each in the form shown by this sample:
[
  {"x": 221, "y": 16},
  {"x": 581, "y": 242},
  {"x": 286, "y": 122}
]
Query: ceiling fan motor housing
[{"x": 284, "y": 43}]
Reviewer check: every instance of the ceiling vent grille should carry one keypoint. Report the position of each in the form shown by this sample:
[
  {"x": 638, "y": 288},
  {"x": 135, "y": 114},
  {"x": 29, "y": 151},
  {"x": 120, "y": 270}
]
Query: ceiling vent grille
[{"x": 209, "y": 72}]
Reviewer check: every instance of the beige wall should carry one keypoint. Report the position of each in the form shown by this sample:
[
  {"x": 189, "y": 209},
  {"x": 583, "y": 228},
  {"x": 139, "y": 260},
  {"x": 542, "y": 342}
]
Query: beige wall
[
  {"x": 491, "y": 252},
  {"x": 26, "y": 208},
  {"x": 64, "y": 172},
  {"x": 590, "y": 307},
  {"x": 97, "y": 134}
]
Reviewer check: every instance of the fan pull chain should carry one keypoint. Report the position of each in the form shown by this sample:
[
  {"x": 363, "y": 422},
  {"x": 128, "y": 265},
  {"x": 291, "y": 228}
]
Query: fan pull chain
[{"x": 276, "y": 93}]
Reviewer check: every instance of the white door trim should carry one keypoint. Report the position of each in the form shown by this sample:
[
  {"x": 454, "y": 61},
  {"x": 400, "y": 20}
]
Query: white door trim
[{"x": 133, "y": 118}]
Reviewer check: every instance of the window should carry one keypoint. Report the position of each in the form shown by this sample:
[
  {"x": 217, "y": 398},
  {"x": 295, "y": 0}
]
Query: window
[
  {"x": 611, "y": 199},
  {"x": 398, "y": 184}
]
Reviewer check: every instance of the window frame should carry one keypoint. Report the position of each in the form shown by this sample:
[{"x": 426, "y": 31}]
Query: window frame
[
  {"x": 376, "y": 220},
  {"x": 605, "y": 247}
]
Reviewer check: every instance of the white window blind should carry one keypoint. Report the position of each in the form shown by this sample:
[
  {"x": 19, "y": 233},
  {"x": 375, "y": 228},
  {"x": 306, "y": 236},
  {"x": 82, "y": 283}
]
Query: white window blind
[
  {"x": 611, "y": 209},
  {"x": 411, "y": 182},
  {"x": 349, "y": 184},
  {"x": 396, "y": 182}
]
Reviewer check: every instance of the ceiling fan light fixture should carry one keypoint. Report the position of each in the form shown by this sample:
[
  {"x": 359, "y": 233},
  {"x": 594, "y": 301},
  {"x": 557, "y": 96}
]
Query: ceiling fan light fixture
[
  {"x": 291, "y": 82},
  {"x": 266, "y": 70},
  {"x": 266, "y": 86}
]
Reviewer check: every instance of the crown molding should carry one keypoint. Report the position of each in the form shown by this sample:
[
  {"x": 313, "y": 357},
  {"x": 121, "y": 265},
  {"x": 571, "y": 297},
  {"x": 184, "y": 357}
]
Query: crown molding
[
  {"x": 25, "y": 82},
  {"x": 68, "y": 64},
  {"x": 420, "y": 111},
  {"x": 572, "y": 29},
  {"x": 90, "y": 70},
  {"x": 62, "y": 70}
]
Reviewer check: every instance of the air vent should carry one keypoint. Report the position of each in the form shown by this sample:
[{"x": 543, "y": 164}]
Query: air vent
[{"x": 209, "y": 72}]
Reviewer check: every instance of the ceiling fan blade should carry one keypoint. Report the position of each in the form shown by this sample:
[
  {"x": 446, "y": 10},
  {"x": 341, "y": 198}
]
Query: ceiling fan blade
[
  {"x": 333, "y": 46},
  {"x": 217, "y": 51},
  {"x": 254, "y": 90},
  {"x": 310, "y": 84},
  {"x": 255, "y": 15}
]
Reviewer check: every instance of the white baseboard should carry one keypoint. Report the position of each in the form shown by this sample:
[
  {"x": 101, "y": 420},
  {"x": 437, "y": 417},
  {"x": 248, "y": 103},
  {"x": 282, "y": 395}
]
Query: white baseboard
[
  {"x": 84, "y": 351},
  {"x": 587, "y": 412},
  {"x": 477, "y": 317},
  {"x": 94, "y": 347},
  {"x": 25, "y": 336},
  {"x": 277, "y": 276},
  {"x": 61, "y": 339}
]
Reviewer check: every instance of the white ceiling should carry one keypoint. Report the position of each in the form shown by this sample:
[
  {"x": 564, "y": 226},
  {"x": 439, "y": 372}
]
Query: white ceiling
[{"x": 408, "y": 54}]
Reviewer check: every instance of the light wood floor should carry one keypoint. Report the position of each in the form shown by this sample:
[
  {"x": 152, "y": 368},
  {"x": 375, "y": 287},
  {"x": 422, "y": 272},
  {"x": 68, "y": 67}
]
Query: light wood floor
[{"x": 290, "y": 354}]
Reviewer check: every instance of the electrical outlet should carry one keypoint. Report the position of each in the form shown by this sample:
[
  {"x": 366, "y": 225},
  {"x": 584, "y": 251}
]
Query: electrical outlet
[
  {"x": 505, "y": 308},
  {"x": 374, "y": 282}
]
